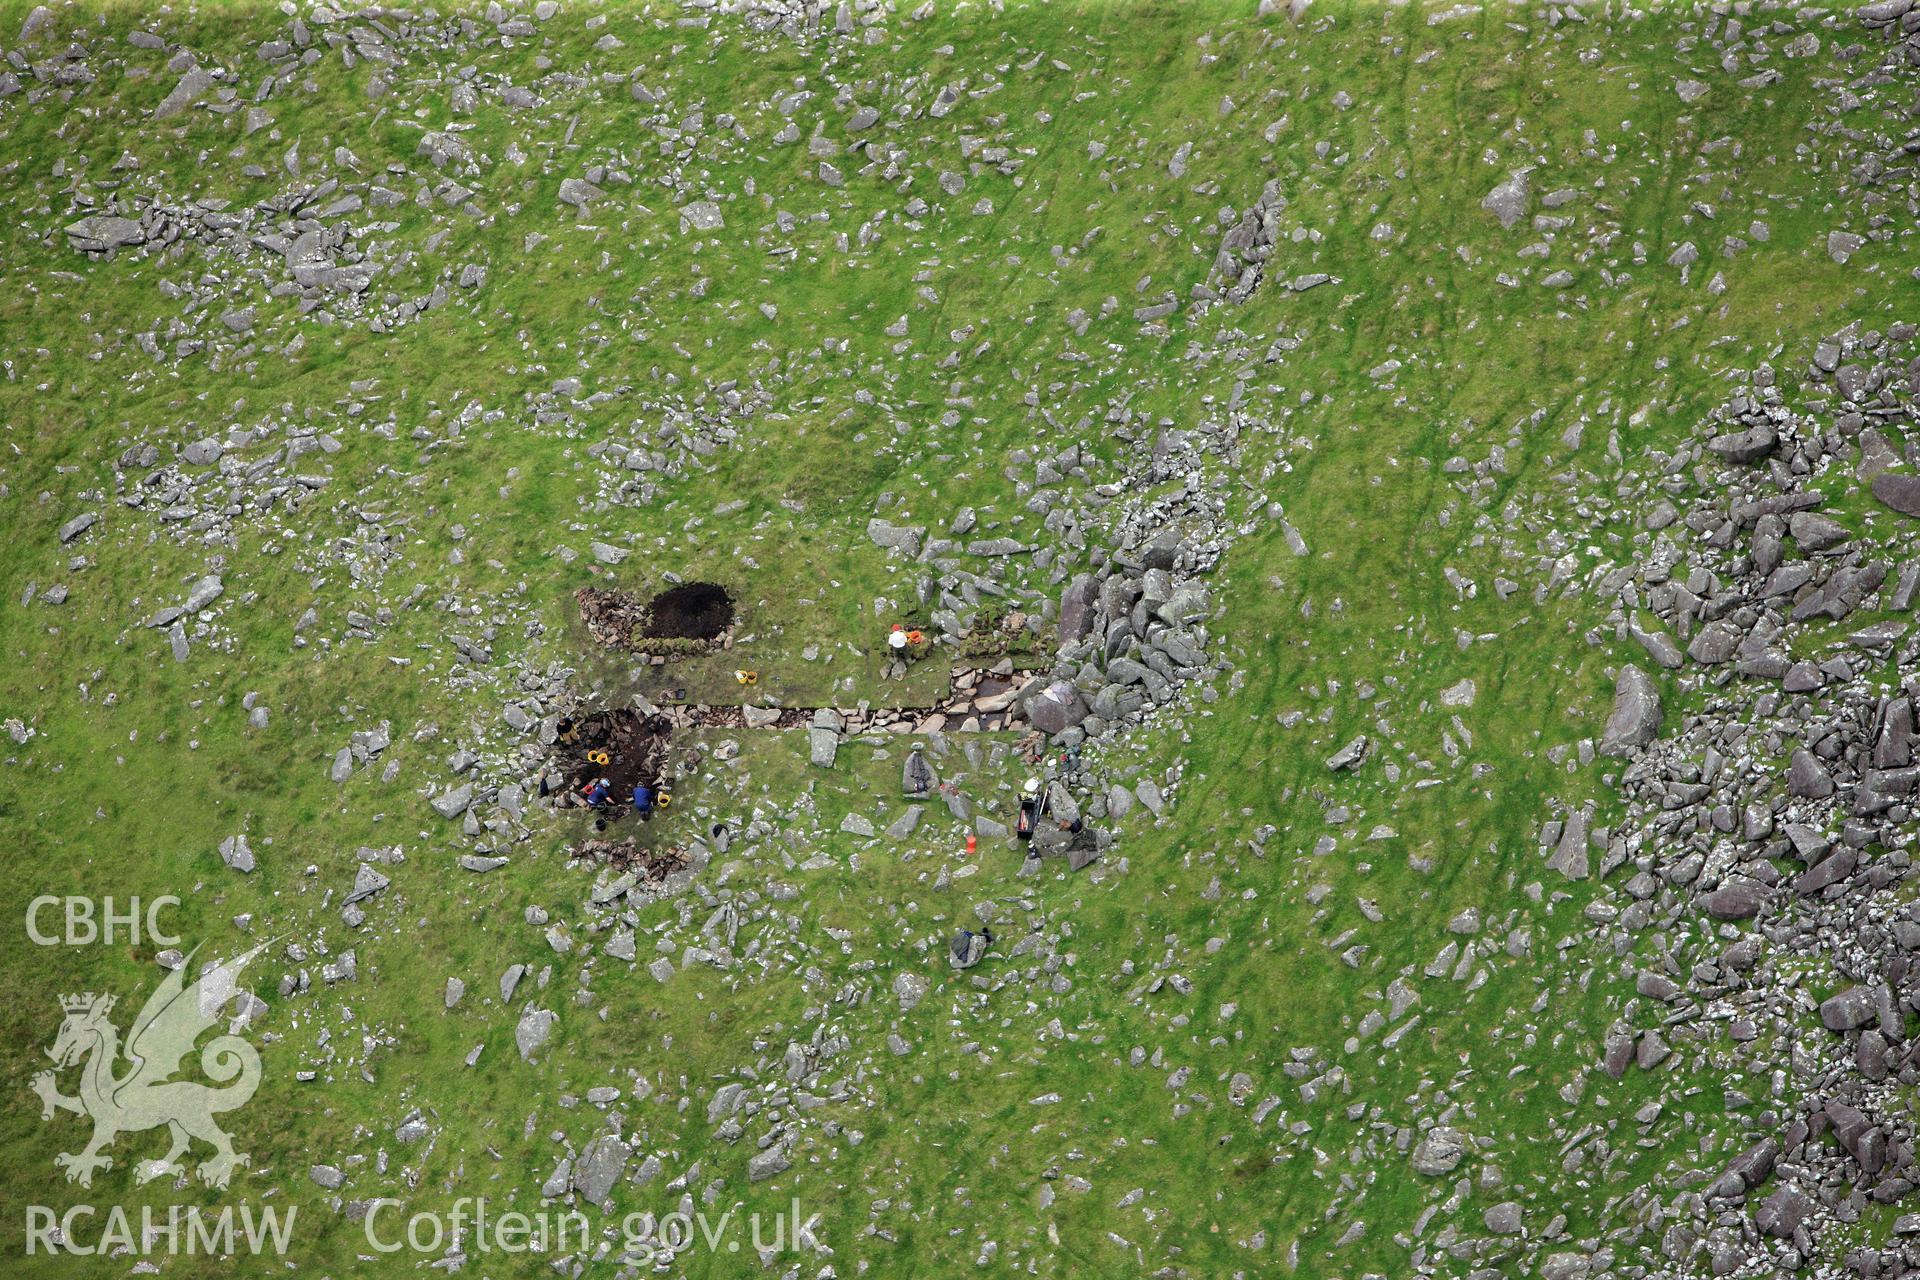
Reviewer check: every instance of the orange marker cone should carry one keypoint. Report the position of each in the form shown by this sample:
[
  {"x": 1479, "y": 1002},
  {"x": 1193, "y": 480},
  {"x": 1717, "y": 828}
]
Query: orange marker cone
[{"x": 973, "y": 844}]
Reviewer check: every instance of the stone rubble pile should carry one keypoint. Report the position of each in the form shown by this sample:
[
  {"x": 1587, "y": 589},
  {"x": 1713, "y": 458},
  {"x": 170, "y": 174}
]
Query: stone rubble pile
[{"x": 1768, "y": 833}]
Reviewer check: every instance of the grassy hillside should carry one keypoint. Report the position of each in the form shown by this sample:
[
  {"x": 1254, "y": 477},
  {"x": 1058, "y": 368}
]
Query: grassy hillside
[{"x": 477, "y": 308}]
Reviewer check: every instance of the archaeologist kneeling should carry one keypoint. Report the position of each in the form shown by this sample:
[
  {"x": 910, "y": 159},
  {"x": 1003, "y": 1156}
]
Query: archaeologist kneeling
[{"x": 969, "y": 948}]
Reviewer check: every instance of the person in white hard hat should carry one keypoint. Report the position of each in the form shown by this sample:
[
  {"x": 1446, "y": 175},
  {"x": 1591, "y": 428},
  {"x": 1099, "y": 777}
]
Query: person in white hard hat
[{"x": 897, "y": 653}]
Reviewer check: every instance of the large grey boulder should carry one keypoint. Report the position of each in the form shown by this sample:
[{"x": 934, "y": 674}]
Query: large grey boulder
[
  {"x": 1659, "y": 646},
  {"x": 236, "y": 853},
  {"x": 203, "y": 593},
  {"x": 702, "y": 215},
  {"x": 102, "y": 232},
  {"x": 967, "y": 950},
  {"x": 1615, "y": 1053},
  {"x": 1076, "y": 608},
  {"x": 909, "y": 989},
  {"x": 1781, "y": 1213},
  {"x": 1056, "y": 708},
  {"x": 1881, "y": 789},
  {"x": 531, "y": 1035},
  {"x": 1439, "y": 1152},
  {"x": 451, "y": 804},
  {"x": 916, "y": 775},
  {"x": 560, "y": 1181},
  {"x": 366, "y": 883},
  {"x": 578, "y": 192},
  {"x": 1636, "y": 713},
  {"x": 37, "y": 21},
  {"x": 1861, "y": 1137},
  {"x": 78, "y": 525},
  {"x": 1715, "y": 643},
  {"x": 1815, "y": 532},
  {"x": 1750, "y": 445},
  {"x": 193, "y": 86},
  {"x": 822, "y": 746},
  {"x": 1164, "y": 549},
  {"x": 1505, "y": 1218},
  {"x": 1350, "y": 756},
  {"x": 1566, "y": 1266},
  {"x": 1851, "y": 1009},
  {"x": 600, "y": 1166},
  {"x": 1736, "y": 899},
  {"x": 1570, "y": 854},
  {"x": 895, "y": 537},
  {"x": 1901, "y": 492},
  {"x": 768, "y": 1163},
  {"x": 1508, "y": 201},
  {"x": 204, "y": 451},
  {"x": 726, "y": 1100},
  {"x": 1748, "y": 1169},
  {"x": 1807, "y": 778}
]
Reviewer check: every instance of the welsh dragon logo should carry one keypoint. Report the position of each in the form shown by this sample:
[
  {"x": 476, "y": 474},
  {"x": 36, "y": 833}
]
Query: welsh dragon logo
[{"x": 144, "y": 1095}]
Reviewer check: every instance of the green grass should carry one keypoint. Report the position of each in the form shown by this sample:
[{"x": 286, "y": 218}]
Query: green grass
[{"x": 840, "y": 423}]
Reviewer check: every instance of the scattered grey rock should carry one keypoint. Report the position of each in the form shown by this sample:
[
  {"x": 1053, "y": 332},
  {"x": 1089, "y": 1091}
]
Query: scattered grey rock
[
  {"x": 1508, "y": 201},
  {"x": 1899, "y": 491},
  {"x": 1636, "y": 713},
  {"x": 1439, "y": 1151},
  {"x": 909, "y": 989},
  {"x": 530, "y": 1036},
  {"x": 236, "y": 853},
  {"x": 767, "y": 1164},
  {"x": 599, "y": 1167}
]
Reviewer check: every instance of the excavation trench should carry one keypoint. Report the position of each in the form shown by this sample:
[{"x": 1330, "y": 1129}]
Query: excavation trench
[
  {"x": 690, "y": 618},
  {"x": 649, "y": 866},
  {"x": 978, "y": 702},
  {"x": 690, "y": 611},
  {"x": 634, "y": 746},
  {"x": 628, "y": 746}
]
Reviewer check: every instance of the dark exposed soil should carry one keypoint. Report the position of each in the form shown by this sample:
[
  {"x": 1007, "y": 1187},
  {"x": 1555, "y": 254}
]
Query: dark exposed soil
[
  {"x": 690, "y": 611},
  {"x": 636, "y": 748}
]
